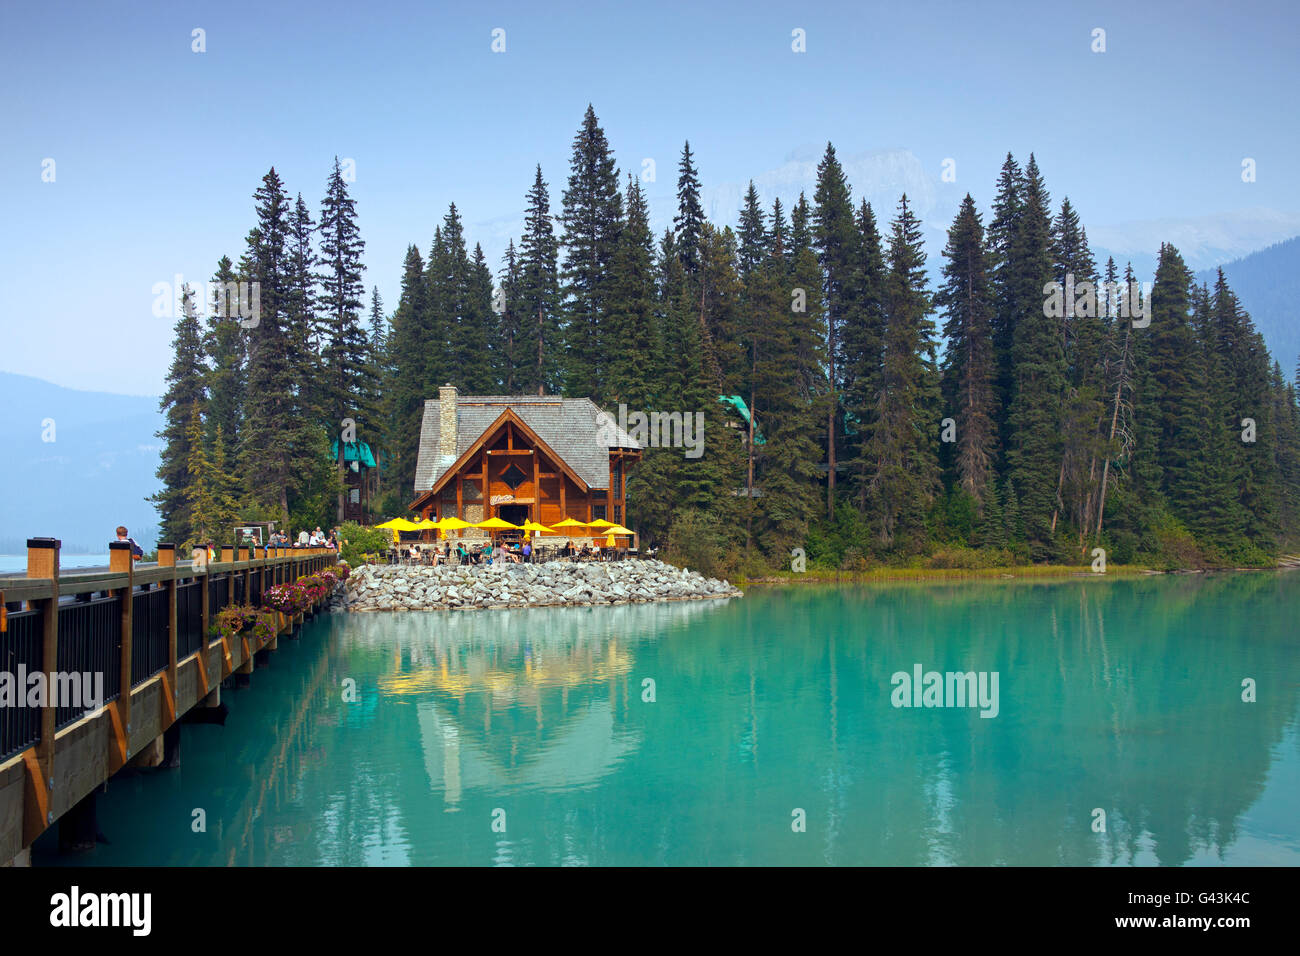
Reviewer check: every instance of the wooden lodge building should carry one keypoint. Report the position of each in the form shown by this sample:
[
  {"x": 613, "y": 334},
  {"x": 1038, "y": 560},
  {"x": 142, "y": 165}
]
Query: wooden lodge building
[{"x": 521, "y": 458}]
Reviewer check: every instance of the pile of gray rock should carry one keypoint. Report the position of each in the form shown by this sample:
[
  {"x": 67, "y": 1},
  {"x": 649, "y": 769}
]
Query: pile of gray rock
[{"x": 399, "y": 588}]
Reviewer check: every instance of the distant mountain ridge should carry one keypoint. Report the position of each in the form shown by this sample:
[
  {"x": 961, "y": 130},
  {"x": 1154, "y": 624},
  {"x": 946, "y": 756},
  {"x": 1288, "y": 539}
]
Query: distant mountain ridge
[
  {"x": 93, "y": 476},
  {"x": 1267, "y": 283}
]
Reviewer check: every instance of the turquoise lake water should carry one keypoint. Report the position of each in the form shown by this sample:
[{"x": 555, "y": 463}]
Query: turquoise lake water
[
  {"x": 18, "y": 562},
  {"x": 1123, "y": 696}
]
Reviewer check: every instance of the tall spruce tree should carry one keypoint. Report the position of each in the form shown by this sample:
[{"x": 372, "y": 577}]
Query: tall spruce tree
[
  {"x": 1038, "y": 367},
  {"x": 969, "y": 368},
  {"x": 863, "y": 336},
  {"x": 689, "y": 221},
  {"x": 593, "y": 213},
  {"x": 837, "y": 241},
  {"x": 183, "y": 400},
  {"x": 347, "y": 384},
  {"x": 905, "y": 429},
  {"x": 629, "y": 334},
  {"x": 513, "y": 357},
  {"x": 277, "y": 438},
  {"x": 539, "y": 294},
  {"x": 224, "y": 346},
  {"x": 409, "y": 344}
]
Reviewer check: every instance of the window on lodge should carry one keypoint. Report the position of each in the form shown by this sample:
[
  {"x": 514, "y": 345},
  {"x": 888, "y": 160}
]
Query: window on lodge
[
  {"x": 618, "y": 514},
  {"x": 597, "y": 512},
  {"x": 513, "y": 476},
  {"x": 619, "y": 491}
]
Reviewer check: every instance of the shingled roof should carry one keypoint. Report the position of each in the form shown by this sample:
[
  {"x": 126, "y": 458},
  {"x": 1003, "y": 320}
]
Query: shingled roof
[{"x": 568, "y": 425}]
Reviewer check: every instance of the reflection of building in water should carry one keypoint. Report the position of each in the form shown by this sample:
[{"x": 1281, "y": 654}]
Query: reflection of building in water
[
  {"x": 580, "y": 752},
  {"x": 532, "y": 698}
]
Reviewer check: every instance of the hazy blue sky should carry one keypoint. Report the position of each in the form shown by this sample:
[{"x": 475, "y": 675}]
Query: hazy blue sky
[{"x": 158, "y": 149}]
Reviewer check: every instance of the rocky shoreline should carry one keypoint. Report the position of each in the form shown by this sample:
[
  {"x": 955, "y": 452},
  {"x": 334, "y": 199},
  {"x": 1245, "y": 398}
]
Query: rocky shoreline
[{"x": 556, "y": 583}]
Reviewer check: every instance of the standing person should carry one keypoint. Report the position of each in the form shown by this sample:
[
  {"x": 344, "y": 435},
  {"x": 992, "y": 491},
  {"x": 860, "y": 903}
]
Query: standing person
[{"x": 137, "y": 552}]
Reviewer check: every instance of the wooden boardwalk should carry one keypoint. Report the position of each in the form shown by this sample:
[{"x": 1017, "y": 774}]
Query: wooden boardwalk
[{"x": 147, "y": 630}]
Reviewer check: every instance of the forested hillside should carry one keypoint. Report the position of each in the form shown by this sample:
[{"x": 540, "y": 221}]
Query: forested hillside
[{"x": 1068, "y": 411}]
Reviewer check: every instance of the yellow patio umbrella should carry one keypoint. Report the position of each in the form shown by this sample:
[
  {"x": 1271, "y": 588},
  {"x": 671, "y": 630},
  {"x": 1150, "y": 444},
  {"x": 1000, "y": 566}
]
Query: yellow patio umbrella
[
  {"x": 532, "y": 527},
  {"x": 602, "y": 523},
  {"x": 390, "y": 524},
  {"x": 569, "y": 523},
  {"x": 619, "y": 530},
  {"x": 496, "y": 524},
  {"x": 451, "y": 524}
]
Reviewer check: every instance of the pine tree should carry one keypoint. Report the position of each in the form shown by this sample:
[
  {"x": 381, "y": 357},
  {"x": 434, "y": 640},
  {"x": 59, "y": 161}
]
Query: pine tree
[
  {"x": 1173, "y": 395},
  {"x": 751, "y": 235},
  {"x": 347, "y": 372},
  {"x": 593, "y": 213},
  {"x": 1038, "y": 365},
  {"x": 786, "y": 348},
  {"x": 305, "y": 329},
  {"x": 209, "y": 491},
  {"x": 969, "y": 361},
  {"x": 1244, "y": 382},
  {"x": 276, "y": 439},
  {"x": 224, "y": 346},
  {"x": 378, "y": 326},
  {"x": 629, "y": 334},
  {"x": 837, "y": 241},
  {"x": 863, "y": 337},
  {"x": 405, "y": 385},
  {"x": 904, "y": 430},
  {"x": 689, "y": 221},
  {"x": 514, "y": 360},
  {"x": 1000, "y": 242},
  {"x": 539, "y": 294},
  {"x": 184, "y": 397},
  {"x": 473, "y": 345}
]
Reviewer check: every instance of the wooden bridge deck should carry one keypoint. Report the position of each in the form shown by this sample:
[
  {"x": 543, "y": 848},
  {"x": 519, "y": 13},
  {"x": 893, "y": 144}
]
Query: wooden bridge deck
[{"x": 147, "y": 630}]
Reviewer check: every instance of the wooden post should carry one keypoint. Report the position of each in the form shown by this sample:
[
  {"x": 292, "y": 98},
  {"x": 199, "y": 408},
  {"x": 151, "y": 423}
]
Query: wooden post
[
  {"x": 227, "y": 557},
  {"x": 43, "y": 562},
  {"x": 167, "y": 559},
  {"x": 120, "y": 562}
]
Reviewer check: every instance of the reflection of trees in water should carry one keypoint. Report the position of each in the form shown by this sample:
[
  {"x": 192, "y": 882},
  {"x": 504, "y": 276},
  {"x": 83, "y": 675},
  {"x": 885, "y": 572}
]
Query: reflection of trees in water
[{"x": 1123, "y": 695}]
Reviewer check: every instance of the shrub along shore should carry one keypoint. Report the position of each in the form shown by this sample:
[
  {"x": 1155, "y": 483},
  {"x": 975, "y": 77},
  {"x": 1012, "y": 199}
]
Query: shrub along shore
[{"x": 555, "y": 583}]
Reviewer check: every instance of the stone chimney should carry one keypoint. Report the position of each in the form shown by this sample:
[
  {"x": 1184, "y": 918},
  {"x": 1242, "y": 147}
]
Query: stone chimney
[{"x": 446, "y": 427}]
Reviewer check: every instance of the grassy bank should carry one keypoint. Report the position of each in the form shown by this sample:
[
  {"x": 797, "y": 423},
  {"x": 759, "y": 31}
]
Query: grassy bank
[{"x": 882, "y": 574}]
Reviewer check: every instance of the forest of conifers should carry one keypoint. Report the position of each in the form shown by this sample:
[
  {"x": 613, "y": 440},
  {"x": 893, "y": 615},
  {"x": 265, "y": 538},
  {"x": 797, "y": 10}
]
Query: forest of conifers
[{"x": 987, "y": 421}]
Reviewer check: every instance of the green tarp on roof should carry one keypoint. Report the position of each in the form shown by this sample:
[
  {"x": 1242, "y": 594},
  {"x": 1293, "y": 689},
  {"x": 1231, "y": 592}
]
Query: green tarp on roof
[
  {"x": 738, "y": 403},
  {"x": 353, "y": 451}
]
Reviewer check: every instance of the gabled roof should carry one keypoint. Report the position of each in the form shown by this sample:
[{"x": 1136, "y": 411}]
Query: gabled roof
[{"x": 569, "y": 426}]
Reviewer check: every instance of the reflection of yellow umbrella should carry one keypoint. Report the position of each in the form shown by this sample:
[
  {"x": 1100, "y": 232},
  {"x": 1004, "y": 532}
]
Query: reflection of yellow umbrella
[{"x": 569, "y": 523}]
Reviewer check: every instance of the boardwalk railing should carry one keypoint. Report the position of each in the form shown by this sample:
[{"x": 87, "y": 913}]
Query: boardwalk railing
[{"x": 99, "y": 639}]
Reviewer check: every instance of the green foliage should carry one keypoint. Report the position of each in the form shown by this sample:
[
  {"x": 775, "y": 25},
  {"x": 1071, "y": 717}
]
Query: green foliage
[{"x": 357, "y": 541}]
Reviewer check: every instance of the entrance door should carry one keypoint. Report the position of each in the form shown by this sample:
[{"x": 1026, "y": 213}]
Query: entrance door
[{"x": 515, "y": 514}]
